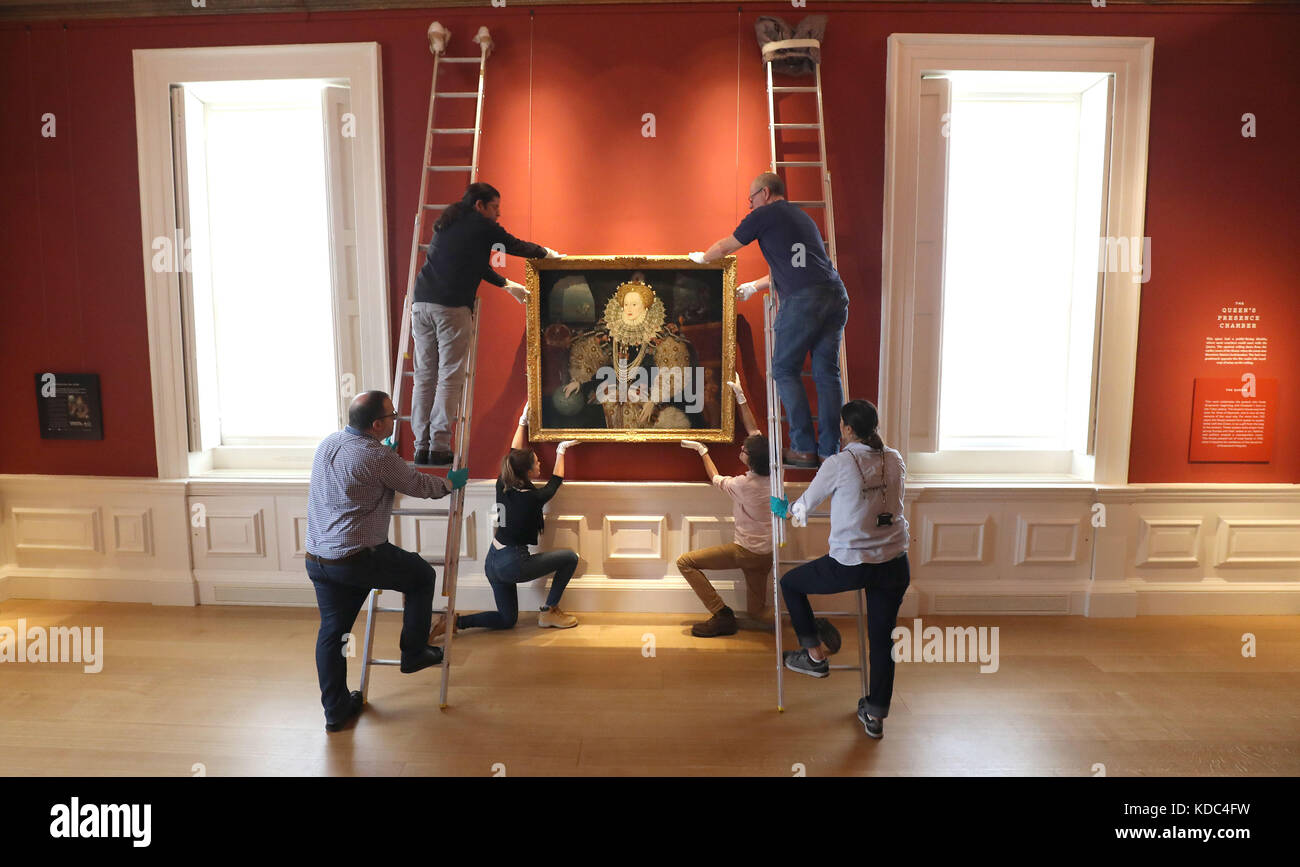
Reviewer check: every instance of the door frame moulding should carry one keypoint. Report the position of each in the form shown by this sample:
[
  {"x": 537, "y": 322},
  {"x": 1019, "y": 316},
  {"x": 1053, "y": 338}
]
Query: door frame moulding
[{"x": 155, "y": 70}]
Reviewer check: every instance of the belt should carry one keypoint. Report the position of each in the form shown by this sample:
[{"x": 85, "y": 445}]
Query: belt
[{"x": 327, "y": 562}]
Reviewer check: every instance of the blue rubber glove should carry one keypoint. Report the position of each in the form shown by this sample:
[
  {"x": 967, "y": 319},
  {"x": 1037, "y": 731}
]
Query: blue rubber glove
[
  {"x": 388, "y": 441},
  {"x": 458, "y": 478},
  {"x": 780, "y": 506}
]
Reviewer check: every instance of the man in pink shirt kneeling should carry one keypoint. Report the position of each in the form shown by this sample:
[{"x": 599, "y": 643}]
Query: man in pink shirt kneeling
[{"x": 751, "y": 552}]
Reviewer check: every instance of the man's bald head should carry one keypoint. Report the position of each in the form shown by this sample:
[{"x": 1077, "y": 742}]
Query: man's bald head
[
  {"x": 368, "y": 408},
  {"x": 770, "y": 182}
]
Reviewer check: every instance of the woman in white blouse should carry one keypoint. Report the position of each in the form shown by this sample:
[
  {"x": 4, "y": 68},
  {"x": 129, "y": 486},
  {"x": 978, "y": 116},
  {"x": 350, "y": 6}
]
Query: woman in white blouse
[{"x": 868, "y": 551}]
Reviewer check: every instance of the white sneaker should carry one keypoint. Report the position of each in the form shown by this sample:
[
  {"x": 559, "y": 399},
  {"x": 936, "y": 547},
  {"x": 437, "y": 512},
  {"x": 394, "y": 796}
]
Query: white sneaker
[{"x": 556, "y": 618}]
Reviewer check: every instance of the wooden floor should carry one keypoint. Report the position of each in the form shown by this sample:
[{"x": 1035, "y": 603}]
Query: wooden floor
[{"x": 233, "y": 689}]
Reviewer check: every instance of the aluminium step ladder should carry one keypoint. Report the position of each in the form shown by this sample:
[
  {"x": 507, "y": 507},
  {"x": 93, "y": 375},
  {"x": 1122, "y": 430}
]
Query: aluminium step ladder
[
  {"x": 775, "y": 438},
  {"x": 774, "y": 128},
  {"x": 404, "y": 375},
  {"x": 780, "y": 565}
]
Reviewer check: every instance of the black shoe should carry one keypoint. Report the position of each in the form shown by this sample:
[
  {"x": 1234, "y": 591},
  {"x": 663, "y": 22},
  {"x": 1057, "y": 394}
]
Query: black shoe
[
  {"x": 422, "y": 458},
  {"x": 722, "y": 623},
  {"x": 874, "y": 725},
  {"x": 440, "y": 458},
  {"x": 353, "y": 711},
  {"x": 829, "y": 635},
  {"x": 800, "y": 661},
  {"x": 428, "y": 657}
]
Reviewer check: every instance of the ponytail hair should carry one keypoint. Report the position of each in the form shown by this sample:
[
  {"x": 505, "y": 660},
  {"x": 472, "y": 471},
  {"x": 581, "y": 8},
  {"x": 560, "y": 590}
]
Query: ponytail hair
[
  {"x": 514, "y": 470},
  {"x": 474, "y": 193},
  {"x": 861, "y": 417}
]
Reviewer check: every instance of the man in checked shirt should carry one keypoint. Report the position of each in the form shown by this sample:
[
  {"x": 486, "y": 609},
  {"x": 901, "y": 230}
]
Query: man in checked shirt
[{"x": 349, "y": 507}]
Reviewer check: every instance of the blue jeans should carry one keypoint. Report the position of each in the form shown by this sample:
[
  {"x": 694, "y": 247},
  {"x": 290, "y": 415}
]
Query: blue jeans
[
  {"x": 509, "y": 567},
  {"x": 885, "y": 584},
  {"x": 812, "y": 321},
  {"x": 341, "y": 591}
]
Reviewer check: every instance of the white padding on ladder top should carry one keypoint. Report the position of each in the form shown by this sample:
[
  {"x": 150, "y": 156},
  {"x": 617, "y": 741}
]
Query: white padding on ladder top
[
  {"x": 484, "y": 39},
  {"x": 438, "y": 36},
  {"x": 788, "y": 44},
  {"x": 791, "y": 50}
]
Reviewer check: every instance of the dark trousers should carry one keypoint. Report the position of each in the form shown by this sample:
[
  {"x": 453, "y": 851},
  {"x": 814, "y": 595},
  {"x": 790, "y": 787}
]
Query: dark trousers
[
  {"x": 811, "y": 322},
  {"x": 885, "y": 583},
  {"x": 509, "y": 567},
  {"x": 341, "y": 591}
]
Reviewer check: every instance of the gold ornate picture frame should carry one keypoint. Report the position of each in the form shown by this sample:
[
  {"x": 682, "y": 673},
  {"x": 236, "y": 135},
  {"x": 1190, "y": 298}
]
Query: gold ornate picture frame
[{"x": 631, "y": 349}]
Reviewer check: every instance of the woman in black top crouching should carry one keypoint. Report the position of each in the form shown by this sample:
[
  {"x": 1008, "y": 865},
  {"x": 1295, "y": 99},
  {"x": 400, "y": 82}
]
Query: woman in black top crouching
[{"x": 518, "y": 519}]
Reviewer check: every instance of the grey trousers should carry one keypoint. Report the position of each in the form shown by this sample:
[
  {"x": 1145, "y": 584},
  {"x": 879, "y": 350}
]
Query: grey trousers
[{"x": 442, "y": 337}]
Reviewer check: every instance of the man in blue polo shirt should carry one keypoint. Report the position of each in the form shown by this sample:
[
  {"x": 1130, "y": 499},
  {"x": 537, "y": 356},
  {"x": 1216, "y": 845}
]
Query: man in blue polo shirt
[{"x": 814, "y": 307}]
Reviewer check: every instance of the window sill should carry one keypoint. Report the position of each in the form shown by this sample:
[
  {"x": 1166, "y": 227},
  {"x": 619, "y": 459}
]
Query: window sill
[{"x": 276, "y": 462}]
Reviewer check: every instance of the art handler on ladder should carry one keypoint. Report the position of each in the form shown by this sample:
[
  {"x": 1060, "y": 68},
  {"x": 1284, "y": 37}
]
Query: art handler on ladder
[
  {"x": 349, "y": 509},
  {"x": 868, "y": 551},
  {"x": 465, "y": 238},
  {"x": 814, "y": 308}
]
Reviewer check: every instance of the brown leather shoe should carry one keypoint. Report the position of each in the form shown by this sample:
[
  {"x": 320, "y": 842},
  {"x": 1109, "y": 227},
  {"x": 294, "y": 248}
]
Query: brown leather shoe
[
  {"x": 803, "y": 460},
  {"x": 722, "y": 623}
]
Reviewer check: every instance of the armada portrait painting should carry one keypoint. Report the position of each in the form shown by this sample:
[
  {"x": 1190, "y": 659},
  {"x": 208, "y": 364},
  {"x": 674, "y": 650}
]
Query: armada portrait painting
[{"x": 631, "y": 348}]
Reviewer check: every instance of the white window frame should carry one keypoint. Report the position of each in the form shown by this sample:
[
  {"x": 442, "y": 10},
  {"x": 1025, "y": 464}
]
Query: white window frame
[
  {"x": 1128, "y": 59},
  {"x": 155, "y": 71}
]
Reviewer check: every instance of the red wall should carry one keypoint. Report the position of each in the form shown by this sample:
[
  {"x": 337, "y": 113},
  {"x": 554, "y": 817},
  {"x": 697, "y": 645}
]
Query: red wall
[{"x": 566, "y": 92}]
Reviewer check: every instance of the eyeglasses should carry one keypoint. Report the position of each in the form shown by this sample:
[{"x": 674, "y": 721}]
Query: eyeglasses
[{"x": 755, "y": 193}]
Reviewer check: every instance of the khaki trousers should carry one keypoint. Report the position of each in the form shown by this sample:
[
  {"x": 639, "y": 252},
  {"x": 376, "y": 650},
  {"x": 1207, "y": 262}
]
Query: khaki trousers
[{"x": 757, "y": 569}]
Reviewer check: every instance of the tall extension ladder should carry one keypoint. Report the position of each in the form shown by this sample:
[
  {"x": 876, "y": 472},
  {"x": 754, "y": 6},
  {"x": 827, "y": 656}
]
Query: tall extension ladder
[
  {"x": 775, "y": 439},
  {"x": 404, "y": 375}
]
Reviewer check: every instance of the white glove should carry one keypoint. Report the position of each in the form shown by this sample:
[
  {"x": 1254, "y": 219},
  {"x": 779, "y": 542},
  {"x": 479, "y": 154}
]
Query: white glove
[
  {"x": 799, "y": 514},
  {"x": 564, "y": 447},
  {"x": 700, "y": 448},
  {"x": 745, "y": 291},
  {"x": 551, "y": 254},
  {"x": 523, "y": 418},
  {"x": 518, "y": 290},
  {"x": 735, "y": 387},
  {"x": 697, "y": 257}
]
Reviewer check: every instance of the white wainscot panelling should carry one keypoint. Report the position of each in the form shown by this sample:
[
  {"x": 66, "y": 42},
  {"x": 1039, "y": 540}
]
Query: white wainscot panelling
[
  {"x": 1258, "y": 542},
  {"x": 1168, "y": 541},
  {"x": 806, "y": 543},
  {"x": 132, "y": 531},
  {"x": 634, "y": 537},
  {"x": 94, "y": 539},
  {"x": 706, "y": 531},
  {"x": 1046, "y": 541},
  {"x": 565, "y": 531},
  {"x": 431, "y": 536},
  {"x": 233, "y": 533},
  {"x": 291, "y": 525},
  {"x": 954, "y": 540},
  {"x": 56, "y": 529}
]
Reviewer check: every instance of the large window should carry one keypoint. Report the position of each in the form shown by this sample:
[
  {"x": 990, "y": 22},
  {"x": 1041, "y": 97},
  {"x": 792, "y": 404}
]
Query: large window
[
  {"x": 1025, "y": 173},
  {"x": 262, "y": 175},
  {"x": 1015, "y": 171},
  {"x": 268, "y": 359}
]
